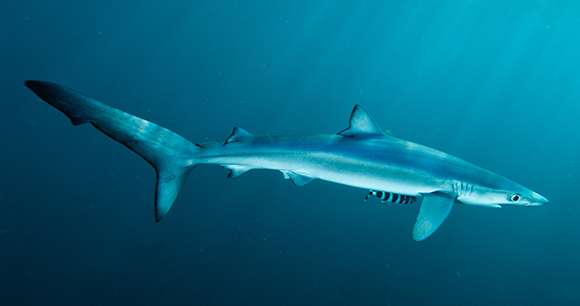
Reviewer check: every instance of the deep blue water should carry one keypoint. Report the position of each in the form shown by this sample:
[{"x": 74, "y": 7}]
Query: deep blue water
[{"x": 493, "y": 82}]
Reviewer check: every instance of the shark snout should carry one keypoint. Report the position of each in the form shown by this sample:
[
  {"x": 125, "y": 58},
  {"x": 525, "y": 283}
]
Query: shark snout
[{"x": 538, "y": 200}]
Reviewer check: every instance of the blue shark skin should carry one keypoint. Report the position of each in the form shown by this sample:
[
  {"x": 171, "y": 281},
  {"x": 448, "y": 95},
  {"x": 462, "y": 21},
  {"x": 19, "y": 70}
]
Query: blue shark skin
[{"x": 360, "y": 156}]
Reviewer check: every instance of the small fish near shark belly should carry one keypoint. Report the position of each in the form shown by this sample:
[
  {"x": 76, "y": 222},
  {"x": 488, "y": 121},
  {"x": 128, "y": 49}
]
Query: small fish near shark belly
[{"x": 388, "y": 197}]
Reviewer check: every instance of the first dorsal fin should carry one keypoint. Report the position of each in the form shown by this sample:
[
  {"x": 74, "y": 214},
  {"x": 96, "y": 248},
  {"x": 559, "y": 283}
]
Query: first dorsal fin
[
  {"x": 239, "y": 134},
  {"x": 361, "y": 124}
]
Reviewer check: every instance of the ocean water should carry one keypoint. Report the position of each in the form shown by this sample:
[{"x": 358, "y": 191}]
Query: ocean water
[{"x": 493, "y": 82}]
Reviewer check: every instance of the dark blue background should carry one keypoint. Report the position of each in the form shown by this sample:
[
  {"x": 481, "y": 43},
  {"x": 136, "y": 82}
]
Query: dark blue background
[{"x": 493, "y": 82}]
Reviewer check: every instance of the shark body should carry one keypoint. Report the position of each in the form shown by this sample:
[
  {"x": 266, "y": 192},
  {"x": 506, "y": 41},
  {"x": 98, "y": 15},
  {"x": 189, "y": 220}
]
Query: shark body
[{"x": 360, "y": 156}]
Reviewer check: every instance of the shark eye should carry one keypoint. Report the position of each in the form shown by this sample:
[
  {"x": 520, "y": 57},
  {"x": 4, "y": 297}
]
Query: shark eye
[{"x": 516, "y": 197}]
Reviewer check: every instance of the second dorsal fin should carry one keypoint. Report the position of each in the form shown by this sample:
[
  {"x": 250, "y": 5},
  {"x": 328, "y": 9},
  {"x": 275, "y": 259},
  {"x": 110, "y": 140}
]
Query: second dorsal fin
[
  {"x": 361, "y": 124},
  {"x": 239, "y": 134}
]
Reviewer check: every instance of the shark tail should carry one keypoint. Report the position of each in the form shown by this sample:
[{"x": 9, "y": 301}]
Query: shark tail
[{"x": 172, "y": 156}]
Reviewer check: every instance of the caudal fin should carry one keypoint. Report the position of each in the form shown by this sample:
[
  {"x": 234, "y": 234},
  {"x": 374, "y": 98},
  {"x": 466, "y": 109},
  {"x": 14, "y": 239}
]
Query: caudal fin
[{"x": 172, "y": 156}]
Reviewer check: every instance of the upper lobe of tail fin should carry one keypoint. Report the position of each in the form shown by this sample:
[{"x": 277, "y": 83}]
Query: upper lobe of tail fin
[{"x": 172, "y": 156}]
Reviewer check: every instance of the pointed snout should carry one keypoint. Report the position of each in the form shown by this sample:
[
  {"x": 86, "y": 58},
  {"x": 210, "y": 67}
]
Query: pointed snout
[{"x": 538, "y": 200}]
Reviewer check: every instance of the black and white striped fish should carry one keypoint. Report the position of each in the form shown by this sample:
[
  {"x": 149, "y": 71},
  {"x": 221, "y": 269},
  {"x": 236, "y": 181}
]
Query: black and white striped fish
[{"x": 391, "y": 197}]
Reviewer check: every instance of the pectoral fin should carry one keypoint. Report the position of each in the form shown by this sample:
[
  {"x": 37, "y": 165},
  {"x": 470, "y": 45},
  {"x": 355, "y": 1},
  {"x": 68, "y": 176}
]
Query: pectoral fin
[{"x": 434, "y": 210}]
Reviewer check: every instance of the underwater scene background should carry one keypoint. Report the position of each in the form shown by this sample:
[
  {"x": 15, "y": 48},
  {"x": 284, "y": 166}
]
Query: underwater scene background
[{"x": 493, "y": 82}]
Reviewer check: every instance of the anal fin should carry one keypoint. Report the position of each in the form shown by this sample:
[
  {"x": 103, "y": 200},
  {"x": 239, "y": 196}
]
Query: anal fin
[
  {"x": 237, "y": 170},
  {"x": 434, "y": 210}
]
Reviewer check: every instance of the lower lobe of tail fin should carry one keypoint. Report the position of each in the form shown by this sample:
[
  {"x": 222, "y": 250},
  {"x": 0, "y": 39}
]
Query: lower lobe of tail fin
[{"x": 172, "y": 156}]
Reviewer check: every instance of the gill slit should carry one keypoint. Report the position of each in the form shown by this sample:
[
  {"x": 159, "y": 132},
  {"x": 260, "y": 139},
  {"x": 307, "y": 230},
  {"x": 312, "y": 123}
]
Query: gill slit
[{"x": 462, "y": 189}]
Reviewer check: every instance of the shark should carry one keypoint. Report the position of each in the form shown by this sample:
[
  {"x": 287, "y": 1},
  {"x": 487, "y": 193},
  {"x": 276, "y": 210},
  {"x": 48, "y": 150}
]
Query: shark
[{"x": 361, "y": 156}]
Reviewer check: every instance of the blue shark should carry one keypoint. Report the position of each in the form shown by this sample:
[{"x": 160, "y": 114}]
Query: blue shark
[{"x": 361, "y": 156}]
